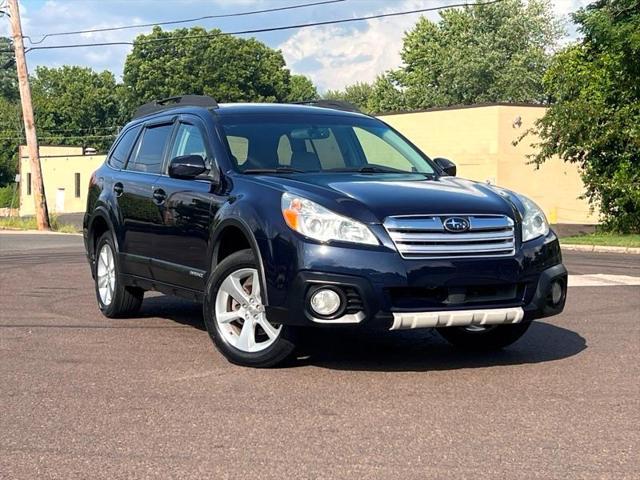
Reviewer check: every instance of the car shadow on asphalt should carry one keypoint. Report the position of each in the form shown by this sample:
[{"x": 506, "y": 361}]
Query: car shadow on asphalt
[
  {"x": 425, "y": 350},
  {"x": 408, "y": 350},
  {"x": 180, "y": 311}
]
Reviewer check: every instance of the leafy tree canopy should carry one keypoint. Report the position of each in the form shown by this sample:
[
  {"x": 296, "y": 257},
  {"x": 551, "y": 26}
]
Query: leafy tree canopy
[
  {"x": 11, "y": 137},
  {"x": 480, "y": 53},
  {"x": 76, "y": 106},
  {"x": 301, "y": 89},
  {"x": 594, "y": 118},
  {"x": 230, "y": 69},
  {"x": 358, "y": 94},
  {"x": 8, "y": 73}
]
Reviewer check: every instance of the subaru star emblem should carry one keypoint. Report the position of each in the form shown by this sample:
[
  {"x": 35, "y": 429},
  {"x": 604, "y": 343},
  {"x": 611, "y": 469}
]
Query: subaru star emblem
[{"x": 456, "y": 224}]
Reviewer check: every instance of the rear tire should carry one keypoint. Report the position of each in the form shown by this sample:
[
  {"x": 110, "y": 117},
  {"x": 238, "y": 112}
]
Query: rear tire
[
  {"x": 114, "y": 299},
  {"x": 235, "y": 319},
  {"x": 490, "y": 338}
]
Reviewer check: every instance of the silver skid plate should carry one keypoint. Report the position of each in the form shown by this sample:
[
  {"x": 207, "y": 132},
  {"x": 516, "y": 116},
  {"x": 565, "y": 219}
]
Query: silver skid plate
[{"x": 456, "y": 318}]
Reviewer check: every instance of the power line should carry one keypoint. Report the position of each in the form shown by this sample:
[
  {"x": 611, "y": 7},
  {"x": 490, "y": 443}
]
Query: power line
[
  {"x": 58, "y": 137},
  {"x": 186, "y": 20},
  {"x": 262, "y": 30}
]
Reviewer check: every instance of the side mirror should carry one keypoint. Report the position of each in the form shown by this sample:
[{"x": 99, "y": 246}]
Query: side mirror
[
  {"x": 447, "y": 165},
  {"x": 187, "y": 167}
]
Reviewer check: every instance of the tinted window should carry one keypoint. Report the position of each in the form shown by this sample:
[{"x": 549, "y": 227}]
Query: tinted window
[
  {"x": 320, "y": 143},
  {"x": 382, "y": 149},
  {"x": 121, "y": 152},
  {"x": 239, "y": 147},
  {"x": 284, "y": 151},
  {"x": 148, "y": 153},
  {"x": 188, "y": 141},
  {"x": 327, "y": 150}
]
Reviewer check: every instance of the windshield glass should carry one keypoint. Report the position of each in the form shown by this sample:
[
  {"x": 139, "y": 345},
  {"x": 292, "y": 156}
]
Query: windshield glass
[{"x": 319, "y": 144}]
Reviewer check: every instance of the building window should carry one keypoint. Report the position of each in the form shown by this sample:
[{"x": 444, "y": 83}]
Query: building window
[
  {"x": 28, "y": 183},
  {"x": 77, "y": 175}
]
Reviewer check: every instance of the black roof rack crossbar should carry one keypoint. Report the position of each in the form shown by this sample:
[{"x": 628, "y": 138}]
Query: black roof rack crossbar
[
  {"x": 172, "y": 102},
  {"x": 335, "y": 104}
]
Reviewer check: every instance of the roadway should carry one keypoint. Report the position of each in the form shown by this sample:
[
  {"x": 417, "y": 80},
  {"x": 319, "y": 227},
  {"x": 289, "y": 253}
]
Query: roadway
[{"x": 86, "y": 397}]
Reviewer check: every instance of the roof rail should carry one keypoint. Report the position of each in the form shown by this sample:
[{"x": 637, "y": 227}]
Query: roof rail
[
  {"x": 172, "y": 102},
  {"x": 330, "y": 103}
]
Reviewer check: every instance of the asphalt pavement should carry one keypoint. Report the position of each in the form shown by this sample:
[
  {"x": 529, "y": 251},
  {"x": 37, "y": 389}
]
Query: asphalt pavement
[{"x": 82, "y": 396}]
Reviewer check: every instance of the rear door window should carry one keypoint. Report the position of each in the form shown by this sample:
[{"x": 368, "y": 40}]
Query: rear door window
[
  {"x": 120, "y": 154},
  {"x": 148, "y": 154}
]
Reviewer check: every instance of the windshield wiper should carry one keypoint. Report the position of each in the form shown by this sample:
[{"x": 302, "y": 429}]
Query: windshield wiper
[
  {"x": 273, "y": 170},
  {"x": 375, "y": 169},
  {"x": 378, "y": 169}
]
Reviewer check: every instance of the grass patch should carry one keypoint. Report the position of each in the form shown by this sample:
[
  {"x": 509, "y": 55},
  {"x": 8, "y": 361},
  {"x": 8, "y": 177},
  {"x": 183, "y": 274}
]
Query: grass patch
[
  {"x": 604, "y": 239},
  {"x": 29, "y": 223}
]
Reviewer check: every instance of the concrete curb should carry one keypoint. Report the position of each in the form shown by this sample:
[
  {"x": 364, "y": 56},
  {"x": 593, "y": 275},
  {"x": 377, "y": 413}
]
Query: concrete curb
[
  {"x": 15, "y": 231},
  {"x": 600, "y": 249}
]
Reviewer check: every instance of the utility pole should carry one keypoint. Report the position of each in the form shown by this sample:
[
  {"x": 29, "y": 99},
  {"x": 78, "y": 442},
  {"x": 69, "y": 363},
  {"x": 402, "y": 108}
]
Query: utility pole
[{"x": 42, "y": 213}]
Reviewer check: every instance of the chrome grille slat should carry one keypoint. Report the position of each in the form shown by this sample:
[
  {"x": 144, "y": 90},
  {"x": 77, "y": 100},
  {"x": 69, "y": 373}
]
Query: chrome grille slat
[
  {"x": 400, "y": 236},
  {"x": 424, "y": 236},
  {"x": 456, "y": 248}
]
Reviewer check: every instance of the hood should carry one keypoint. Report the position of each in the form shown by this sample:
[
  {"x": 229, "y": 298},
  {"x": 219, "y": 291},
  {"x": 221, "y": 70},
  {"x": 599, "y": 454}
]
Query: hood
[{"x": 360, "y": 194}]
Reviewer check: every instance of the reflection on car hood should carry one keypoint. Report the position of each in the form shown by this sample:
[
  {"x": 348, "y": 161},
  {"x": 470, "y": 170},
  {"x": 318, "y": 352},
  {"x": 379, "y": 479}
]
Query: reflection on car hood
[{"x": 360, "y": 195}]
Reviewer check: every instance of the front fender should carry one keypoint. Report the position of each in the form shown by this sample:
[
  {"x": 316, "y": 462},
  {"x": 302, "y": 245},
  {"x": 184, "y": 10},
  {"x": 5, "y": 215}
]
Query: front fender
[{"x": 247, "y": 221}]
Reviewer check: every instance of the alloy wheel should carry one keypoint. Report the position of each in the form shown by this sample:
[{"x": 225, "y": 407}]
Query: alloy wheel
[
  {"x": 240, "y": 314},
  {"x": 106, "y": 274}
]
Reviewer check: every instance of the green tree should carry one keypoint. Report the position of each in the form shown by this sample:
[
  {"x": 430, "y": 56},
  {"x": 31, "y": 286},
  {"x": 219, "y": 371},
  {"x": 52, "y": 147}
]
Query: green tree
[
  {"x": 594, "y": 120},
  {"x": 77, "y": 106},
  {"x": 8, "y": 72},
  {"x": 480, "y": 53},
  {"x": 11, "y": 137},
  {"x": 301, "y": 89},
  {"x": 387, "y": 95},
  {"x": 196, "y": 61},
  {"x": 359, "y": 94}
]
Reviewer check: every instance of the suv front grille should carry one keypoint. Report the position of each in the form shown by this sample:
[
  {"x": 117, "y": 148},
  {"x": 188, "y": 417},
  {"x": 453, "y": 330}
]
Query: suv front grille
[{"x": 425, "y": 236}]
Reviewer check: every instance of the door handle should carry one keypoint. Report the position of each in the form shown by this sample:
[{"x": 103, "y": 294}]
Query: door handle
[
  {"x": 118, "y": 189},
  {"x": 159, "y": 196}
]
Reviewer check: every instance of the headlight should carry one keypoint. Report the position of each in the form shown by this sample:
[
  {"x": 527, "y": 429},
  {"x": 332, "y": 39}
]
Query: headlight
[
  {"x": 534, "y": 223},
  {"x": 319, "y": 223}
]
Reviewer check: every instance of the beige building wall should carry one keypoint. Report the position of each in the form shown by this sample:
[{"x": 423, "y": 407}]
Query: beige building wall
[
  {"x": 60, "y": 165},
  {"x": 479, "y": 139}
]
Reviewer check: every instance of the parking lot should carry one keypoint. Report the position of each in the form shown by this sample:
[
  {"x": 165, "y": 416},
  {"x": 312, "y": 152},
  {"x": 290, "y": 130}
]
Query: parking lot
[{"x": 86, "y": 397}]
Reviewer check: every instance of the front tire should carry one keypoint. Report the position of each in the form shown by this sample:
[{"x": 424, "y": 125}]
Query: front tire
[
  {"x": 492, "y": 337},
  {"x": 114, "y": 299},
  {"x": 235, "y": 317}
]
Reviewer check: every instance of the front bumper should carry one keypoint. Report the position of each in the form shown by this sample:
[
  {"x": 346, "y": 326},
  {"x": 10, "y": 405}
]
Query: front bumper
[{"x": 385, "y": 291}]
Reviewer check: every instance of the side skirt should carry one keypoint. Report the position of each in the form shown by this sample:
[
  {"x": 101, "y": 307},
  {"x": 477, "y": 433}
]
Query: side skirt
[{"x": 166, "y": 288}]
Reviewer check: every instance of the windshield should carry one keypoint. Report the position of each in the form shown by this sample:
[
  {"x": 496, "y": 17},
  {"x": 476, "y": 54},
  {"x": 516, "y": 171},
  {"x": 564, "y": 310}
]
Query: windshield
[{"x": 319, "y": 144}]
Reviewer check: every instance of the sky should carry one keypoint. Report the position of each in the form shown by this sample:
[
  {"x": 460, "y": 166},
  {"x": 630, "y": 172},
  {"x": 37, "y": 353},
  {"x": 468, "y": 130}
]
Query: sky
[{"x": 333, "y": 56}]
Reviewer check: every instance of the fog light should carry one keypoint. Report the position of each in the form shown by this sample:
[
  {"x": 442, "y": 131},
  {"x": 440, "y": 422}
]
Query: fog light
[
  {"x": 556, "y": 292},
  {"x": 325, "y": 301}
]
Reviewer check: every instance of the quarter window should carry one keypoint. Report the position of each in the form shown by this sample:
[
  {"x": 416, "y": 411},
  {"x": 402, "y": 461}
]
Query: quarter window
[
  {"x": 120, "y": 154},
  {"x": 148, "y": 153}
]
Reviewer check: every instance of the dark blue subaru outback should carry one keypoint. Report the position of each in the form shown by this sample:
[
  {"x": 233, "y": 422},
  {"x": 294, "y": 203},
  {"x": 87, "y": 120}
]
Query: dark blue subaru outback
[{"x": 278, "y": 217}]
